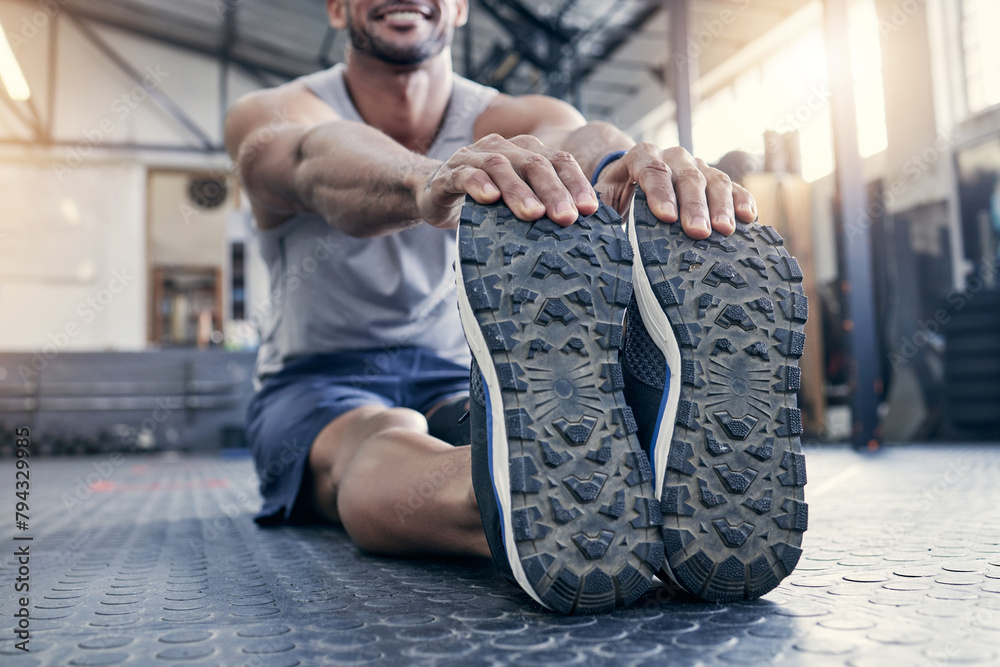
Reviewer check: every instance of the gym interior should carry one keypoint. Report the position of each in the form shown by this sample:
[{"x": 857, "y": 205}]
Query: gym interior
[{"x": 132, "y": 296}]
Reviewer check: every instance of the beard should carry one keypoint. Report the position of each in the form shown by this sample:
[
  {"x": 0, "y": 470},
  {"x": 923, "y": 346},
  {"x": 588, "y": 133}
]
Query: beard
[{"x": 409, "y": 55}]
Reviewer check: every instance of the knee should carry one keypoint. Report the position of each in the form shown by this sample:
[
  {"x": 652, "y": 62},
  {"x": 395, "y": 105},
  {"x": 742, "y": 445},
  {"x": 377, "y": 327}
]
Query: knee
[
  {"x": 336, "y": 446},
  {"x": 397, "y": 418}
]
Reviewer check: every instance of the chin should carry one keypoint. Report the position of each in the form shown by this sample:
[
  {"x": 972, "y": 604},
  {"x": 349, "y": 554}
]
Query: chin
[{"x": 402, "y": 52}]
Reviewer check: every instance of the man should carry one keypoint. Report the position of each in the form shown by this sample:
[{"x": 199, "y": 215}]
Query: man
[{"x": 356, "y": 196}]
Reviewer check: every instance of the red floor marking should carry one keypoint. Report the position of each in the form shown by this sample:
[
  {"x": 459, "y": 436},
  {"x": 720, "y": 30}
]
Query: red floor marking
[{"x": 106, "y": 486}]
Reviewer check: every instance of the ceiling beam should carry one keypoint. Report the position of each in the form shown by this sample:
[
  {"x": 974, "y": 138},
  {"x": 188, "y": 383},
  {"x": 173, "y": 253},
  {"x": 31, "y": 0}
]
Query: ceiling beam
[
  {"x": 621, "y": 36},
  {"x": 528, "y": 18},
  {"x": 19, "y": 114},
  {"x": 192, "y": 45},
  {"x": 160, "y": 98}
]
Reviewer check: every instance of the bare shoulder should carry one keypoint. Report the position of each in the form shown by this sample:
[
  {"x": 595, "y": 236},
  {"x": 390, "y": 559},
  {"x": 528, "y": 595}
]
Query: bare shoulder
[
  {"x": 275, "y": 109},
  {"x": 510, "y": 116}
]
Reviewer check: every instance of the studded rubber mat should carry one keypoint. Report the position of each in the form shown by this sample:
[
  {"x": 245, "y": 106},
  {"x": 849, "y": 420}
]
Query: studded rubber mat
[{"x": 153, "y": 560}]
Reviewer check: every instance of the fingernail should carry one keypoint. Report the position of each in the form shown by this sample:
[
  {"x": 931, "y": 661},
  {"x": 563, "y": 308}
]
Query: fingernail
[
  {"x": 700, "y": 221},
  {"x": 670, "y": 210},
  {"x": 490, "y": 190},
  {"x": 564, "y": 207},
  {"x": 724, "y": 220},
  {"x": 533, "y": 204}
]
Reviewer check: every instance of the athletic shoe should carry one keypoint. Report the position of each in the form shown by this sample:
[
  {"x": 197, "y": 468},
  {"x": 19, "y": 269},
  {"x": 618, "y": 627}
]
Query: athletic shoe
[
  {"x": 712, "y": 339},
  {"x": 564, "y": 490}
]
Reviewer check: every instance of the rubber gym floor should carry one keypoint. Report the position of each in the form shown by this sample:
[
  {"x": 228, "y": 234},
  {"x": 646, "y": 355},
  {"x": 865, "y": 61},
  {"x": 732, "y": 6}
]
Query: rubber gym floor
[{"x": 147, "y": 560}]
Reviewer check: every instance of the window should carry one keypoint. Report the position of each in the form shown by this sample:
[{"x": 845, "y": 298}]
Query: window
[
  {"x": 980, "y": 20},
  {"x": 789, "y": 92}
]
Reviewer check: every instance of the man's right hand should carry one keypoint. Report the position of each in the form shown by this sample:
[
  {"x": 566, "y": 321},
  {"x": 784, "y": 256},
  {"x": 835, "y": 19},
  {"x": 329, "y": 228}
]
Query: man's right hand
[{"x": 532, "y": 179}]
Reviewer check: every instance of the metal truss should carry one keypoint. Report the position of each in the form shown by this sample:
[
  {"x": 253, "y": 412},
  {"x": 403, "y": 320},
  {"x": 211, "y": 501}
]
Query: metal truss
[
  {"x": 550, "y": 54},
  {"x": 552, "y": 48}
]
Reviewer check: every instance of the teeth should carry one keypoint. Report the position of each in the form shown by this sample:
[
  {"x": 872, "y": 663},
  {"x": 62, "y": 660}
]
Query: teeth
[{"x": 404, "y": 16}]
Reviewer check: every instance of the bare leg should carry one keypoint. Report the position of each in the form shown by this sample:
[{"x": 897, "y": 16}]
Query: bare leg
[{"x": 396, "y": 489}]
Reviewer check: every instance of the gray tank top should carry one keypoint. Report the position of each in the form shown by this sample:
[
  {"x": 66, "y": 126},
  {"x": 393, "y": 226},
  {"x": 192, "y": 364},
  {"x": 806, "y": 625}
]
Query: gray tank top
[{"x": 331, "y": 292}]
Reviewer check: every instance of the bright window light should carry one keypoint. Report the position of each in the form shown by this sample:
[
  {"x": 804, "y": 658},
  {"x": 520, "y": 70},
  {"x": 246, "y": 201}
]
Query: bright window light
[
  {"x": 869, "y": 94},
  {"x": 789, "y": 92},
  {"x": 982, "y": 52},
  {"x": 10, "y": 72}
]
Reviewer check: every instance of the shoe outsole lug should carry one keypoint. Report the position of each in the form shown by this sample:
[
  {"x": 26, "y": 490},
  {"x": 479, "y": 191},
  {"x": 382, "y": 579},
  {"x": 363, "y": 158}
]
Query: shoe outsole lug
[
  {"x": 549, "y": 302},
  {"x": 732, "y": 499}
]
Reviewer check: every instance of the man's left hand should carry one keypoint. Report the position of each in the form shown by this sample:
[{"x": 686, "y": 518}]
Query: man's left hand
[{"x": 673, "y": 179}]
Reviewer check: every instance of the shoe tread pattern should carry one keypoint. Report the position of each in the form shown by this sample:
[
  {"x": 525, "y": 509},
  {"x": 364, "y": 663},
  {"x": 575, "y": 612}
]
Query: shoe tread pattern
[
  {"x": 550, "y": 303},
  {"x": 732, "y": 501}
]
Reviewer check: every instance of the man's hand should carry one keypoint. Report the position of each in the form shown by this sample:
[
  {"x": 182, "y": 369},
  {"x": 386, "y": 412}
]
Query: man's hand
[
  {"x": 535, "y": 180},
  {"x": 532, "y": 179},
  {"x": 708, "y": 200}
]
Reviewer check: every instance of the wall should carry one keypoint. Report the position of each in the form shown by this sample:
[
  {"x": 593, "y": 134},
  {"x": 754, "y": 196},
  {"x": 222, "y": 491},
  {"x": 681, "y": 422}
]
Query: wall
[
  {"x": 72, "y": 260},
  {"x": 74, "y": 192},
  {"x": 97, "y": 103},
  {"x": 180, "y": 233}
]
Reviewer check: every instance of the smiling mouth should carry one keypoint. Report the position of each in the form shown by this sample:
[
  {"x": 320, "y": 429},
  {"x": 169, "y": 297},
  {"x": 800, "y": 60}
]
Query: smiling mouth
[
  {"x": 403, "y": 16},
  {"x": 402, "y": 13}
]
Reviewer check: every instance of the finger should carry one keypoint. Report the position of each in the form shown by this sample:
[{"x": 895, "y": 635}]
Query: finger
[
  {"x": 647, "y": 167},
  {"x": 616, "y": 187},
  {"x": 719, "y": 193},
  {"x": 744, "y": 204},
  {"x": 576, "y": 183},
  {"x": 487, "y": 164},
  {"x": 445, "y": 191},
  {"x": 689, "y": 185},
  {"x": 516, "y": 193},
  {"x": 541, "y": 176},
  {"x": 476, "y": 183}
]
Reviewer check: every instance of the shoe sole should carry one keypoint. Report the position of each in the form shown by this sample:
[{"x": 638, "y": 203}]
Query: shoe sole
[
  {"x": 542, "y": 308},
  {"x": 728, "y": 315}
]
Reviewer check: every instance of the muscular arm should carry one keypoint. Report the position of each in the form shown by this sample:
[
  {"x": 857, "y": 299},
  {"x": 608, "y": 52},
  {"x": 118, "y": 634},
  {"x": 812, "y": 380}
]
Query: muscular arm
[
  {"x": 361, "y": 180},
  {"x": 349, "y": 172},
  {"x": 295, "y": 155}
]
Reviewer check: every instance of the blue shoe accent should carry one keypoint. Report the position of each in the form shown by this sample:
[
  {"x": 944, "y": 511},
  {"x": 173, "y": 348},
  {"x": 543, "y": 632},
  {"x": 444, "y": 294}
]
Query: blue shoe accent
[
  {"x": 647, "y": 386},
  {"x": 659, "y": 421},
  {"x": 489, "y": 449}
]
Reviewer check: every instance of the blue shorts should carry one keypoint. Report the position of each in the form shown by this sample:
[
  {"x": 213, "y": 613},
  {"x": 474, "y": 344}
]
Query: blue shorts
[{"x": 295, "y": 404}]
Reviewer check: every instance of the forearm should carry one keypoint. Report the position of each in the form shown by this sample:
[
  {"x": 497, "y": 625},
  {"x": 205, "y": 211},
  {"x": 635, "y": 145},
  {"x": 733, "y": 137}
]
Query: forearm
[
  {"x": 592, "y": 142},
  {"x": 361, "y": 181}
]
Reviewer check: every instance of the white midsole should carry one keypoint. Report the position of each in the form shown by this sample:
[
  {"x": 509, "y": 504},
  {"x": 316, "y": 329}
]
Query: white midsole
[
  {"x": 662, "y": 334},
  {"x": 659, "y": 330},
  {"x": 500, "y": 464}
]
